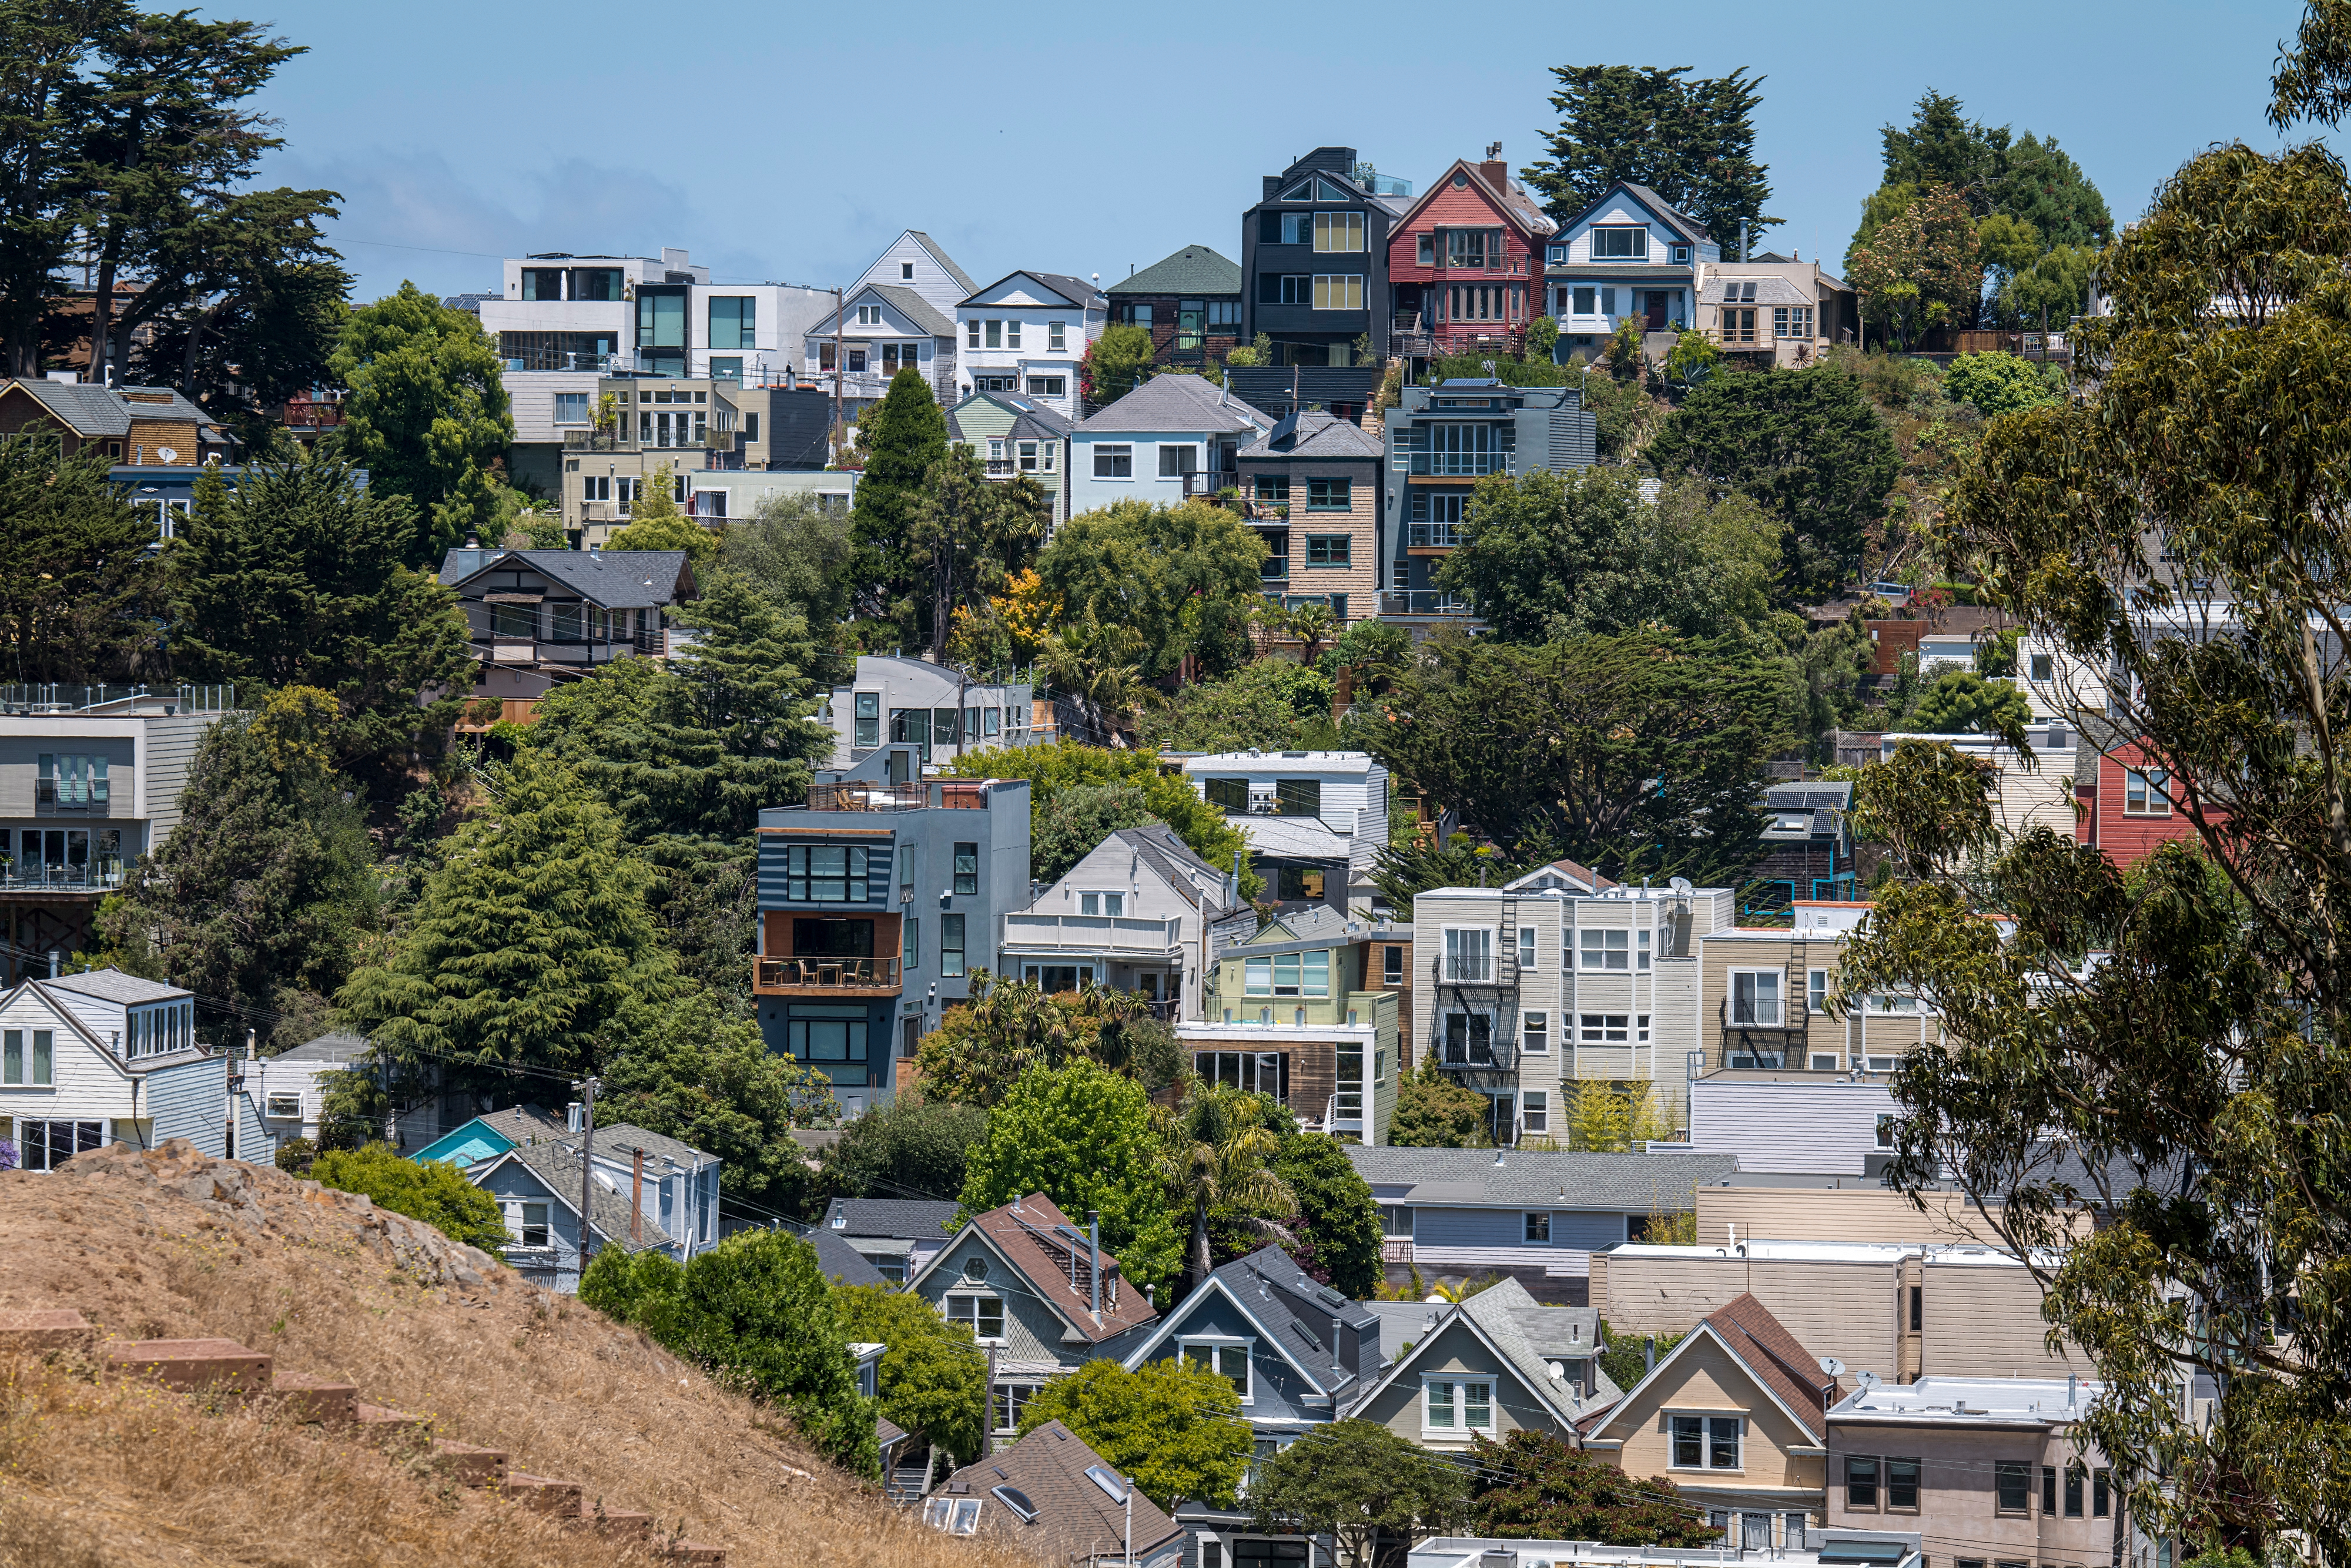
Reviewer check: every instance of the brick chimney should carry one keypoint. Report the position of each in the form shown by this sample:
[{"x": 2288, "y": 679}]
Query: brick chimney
[{"x": 1497, "y": 171}]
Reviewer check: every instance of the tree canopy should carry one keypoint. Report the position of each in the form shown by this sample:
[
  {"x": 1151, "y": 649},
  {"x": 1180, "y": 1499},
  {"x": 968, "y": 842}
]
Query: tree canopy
[
  {"x": 74, "y": 574},
  {"x": 901, "y": 439},
  {"x": 1433, "y": 1112},
  {"x": 1065, "y": 764},
  {"x": 1184, "y": 578},
  {"x": 1173, "y": 1427},
  {"x": 1924, "y": 267},
  {"x": 1532, "y": 1485},
  {"x": 933, "y": 1379},
  {"x": 1691, "y": 139},
  {"x": 433, "y": 1191},
  {"x": 1351, "y": 1480}
]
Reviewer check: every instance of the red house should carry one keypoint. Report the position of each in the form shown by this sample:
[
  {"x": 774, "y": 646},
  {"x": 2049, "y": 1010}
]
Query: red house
[
  {"x": 1466, "y": 262},
  {"x": 2133, "y": 808}
]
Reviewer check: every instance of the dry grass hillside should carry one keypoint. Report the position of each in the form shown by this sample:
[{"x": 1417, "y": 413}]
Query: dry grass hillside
[{"x": 100, "y": 1469}]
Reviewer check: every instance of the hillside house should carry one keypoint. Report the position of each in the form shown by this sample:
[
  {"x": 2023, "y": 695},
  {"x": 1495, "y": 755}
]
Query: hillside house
[
  {"x": 1173, "y": 438},
  {"x": 1303, "y": 1011},
  {"x": 1315, "y": 820},
  {"x": 1025, "y": 334},
  {"x": 1497, "y": 1363},
  {"x": 1139, "y": 913},
  {"x": 1631, "y": 256},
  {"x": 1466, "y": 262},
  {"x": 103, "y": 1057},
  {"x": 1051, "y": 1500},
  {"x": 538, "y": 1188},
  {"x": 1190, "y": 302},
  {"x": 1311, "y": 488},
  {"x": 1314, "y": 251},
  {"x": 538, "y": 617}
]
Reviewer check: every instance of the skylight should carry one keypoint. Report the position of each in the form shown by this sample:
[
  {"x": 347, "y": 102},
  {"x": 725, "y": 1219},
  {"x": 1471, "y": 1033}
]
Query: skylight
[{"x": 1110, "y": 1483}]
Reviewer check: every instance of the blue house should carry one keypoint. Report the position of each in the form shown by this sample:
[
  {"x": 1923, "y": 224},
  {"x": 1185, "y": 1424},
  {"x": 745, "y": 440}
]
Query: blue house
[
  {"x": 538, "y": 1188},
  {"x": 675, "y": 1185},
  {"x": 490, "y": 1134},
  {"x": 1630, "y": 256}
]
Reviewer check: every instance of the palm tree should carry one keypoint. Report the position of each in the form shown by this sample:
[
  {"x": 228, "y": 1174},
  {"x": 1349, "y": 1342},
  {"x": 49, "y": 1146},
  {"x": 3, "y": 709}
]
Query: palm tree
[
  {"x": 1214, "y": 1155},
  {"x": 1312, "y": 624},
  {"x": 1101, "y": 667}
]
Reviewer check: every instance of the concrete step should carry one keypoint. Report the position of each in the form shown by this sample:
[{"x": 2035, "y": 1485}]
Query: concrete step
[
  {"x": 540, "y": 1495},
  {"x": 467, "y": 1465},
  {"x": 617, "y": 1524},
  {"x": 309, "y": 1398},
  {"x": 37, "y": 1334},
  {"x": 192, "y": 1364},
  {"x": 692, "y": 1552},
  {"x": 376, "y": 1421}
]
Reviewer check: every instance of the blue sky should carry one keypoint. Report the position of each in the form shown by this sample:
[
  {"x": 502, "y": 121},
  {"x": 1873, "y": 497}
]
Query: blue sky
[{"x": 791, "y": 142}]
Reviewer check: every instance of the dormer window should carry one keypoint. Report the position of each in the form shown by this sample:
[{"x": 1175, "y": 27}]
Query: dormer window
[
  {"x": 1681, "y": 254},
  {"x": 1628, "y": 243}
]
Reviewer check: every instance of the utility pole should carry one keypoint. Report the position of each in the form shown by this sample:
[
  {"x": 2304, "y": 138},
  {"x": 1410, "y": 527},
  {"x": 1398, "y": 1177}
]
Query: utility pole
[
  {"x": 587, "y": 1087},
  {"x": 840, "y": 361}
]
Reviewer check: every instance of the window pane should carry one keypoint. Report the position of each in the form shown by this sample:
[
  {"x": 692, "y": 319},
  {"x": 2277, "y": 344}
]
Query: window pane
[
  {"x": 1860, "y": 1482},
  {"x": 1476, "y": 1408},
  {"x": 1687, "y": 1441},
  {"x": 1440, "y": 1405},
  {"x": 1902, "y": 1484},
  {"x": 1722, "y": 1449}
]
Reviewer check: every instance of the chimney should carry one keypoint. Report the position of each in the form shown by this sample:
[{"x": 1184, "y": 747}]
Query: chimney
[
  {"x": 1497, "y": 171},
  {"x": 637, "y": 1200}
]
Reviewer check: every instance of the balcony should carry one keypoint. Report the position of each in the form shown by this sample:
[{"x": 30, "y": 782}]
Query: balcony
[
  {"x": 1424, "y": 601},
  {"x": 102, "y": 877},
  {"x": 868, "y": 797},
  {"x": 1438, "y": 536},
  {"x": 596, "y": 441},
  {"x": 1458, "y": 465},
  {"x": 828, "y": 975},
  {"x": 1110, "y": 936}
]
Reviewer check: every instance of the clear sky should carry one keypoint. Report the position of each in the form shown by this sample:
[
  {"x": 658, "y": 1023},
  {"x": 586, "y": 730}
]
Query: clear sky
[{"x": 790, "y": 142}]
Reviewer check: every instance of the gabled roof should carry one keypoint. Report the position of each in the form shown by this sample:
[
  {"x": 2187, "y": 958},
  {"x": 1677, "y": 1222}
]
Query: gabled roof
[
  {"x": 1664, "y": 211},
  {"x": 1031, "y": 419},
  {"x": 1314, "y": 433},
  {"x": 841, "y": 1263},
  {"x": 912, "y": 307},
  {"x": 1075, "y": 292},
  {"x": 1195, "y": 269},
  {"x": 1170, "y": 855},
  {"x": 556, "y": 1167},
  {"x": 492, "y": 1133},
  {"x": 1566, "y": 875},
  {"x": 1057, "y": 1271},
  {"x": 1069, "y": 1518},
  {"x": 1510, "y": 199},
  {"x": 942, "y": 257},
  {"x": 1305, "y": 924},
  {"x": 1783, "y": 1370},
  {"x": 88, "y": 1036},
  {"x": 1535, "y": 1179},
  {"x": 335, "y": 1046},
  {"x": 899, "y": 1218},
  {"x": 1767, "y": 289},
  {"x": 1179, "y": 404},
  {"x": 90, "y": 410},
  {"x": 113, "y": 985},
  {"x": 1291, "y": 1313},
  {"x": 616, "y": 580},
  {"x": 1508, "y": 1321},
  {"x": 622, "y": 1139}
]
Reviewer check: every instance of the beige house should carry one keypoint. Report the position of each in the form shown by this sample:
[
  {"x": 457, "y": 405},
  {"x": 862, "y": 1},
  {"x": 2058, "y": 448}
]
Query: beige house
[
  {"x": 1988, "y": 1470},
  {"x": 1769, "y": 1000},
  {"x": 1774, "y": 312},
  {"x": 1498, "y": 1362},
  {"x": 1735, "y": 1416}
]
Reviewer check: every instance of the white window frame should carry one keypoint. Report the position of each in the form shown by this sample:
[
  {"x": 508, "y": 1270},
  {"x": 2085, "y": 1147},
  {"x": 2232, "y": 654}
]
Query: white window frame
[
  {"x": 1640, "y": 1028},
  {"x": 1012, "y": 334},
  {"x": 1457, "y": 1405},
  {"x": 1057, "y": 339},
  {"x": 1534, "y": 1034},
  {"x": 1603, "y": 1029},
  {"x": 1641, "y": 951},
  {"x": 1706, "y": 1420},
  {"x": 1455, "y": 952},
  {"x": 1639, "y": 253},
  {"x": 1212, "y": 1341},
  {"x": 1527, "y": 946},
  {"x": 1338, "y": 291},
  {"x": 2151, "y": 786},
  {"x": 1103, "y": 903},
  {"x": 1113, "y": 450},
  {"x": 1605, "y": 948},
  {"x": 1778, "y": 1004},
  {"x": 1816, "y": 991},
  {"x": 1534, "y": 1111},
  {"x": 961, "y": 1291}
]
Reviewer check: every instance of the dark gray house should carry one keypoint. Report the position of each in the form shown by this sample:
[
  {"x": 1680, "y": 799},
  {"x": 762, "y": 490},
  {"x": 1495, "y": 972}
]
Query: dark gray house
[
  {"x": 1190, "y": 303},
  {"x": 877, "y": 901},
  {"x": 1314, "y": 259},
  {"x": 895, "y": 1235}
]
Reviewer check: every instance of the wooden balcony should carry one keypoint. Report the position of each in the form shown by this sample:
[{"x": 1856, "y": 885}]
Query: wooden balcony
[{"x": 805, "y": 976}]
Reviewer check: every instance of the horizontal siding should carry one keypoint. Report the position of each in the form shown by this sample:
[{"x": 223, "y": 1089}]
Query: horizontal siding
[
  {"x": 1986, "y": 1322},
  {"x": 1843, "y": 1309},
  {"x": 1851, "y": 1214},
  {"x": 1820, "y": 1129},
  {"x": 171, "y": 744},
  {"x": 85, "y": 1085},
  {"x": 191, "y": 1101}
]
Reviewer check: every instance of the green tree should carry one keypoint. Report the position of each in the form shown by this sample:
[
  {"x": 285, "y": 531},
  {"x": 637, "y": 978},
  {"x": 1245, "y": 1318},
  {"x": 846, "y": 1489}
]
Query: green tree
[
  {"x": 697, "y": 1075},
  {"x": 1558, "y": 555},
  {"x": 797, "y": 553},
  {"x": 1534, "y": 1485},
  {"x": 1880, "y": 207},
  {"x": 1185, "y": 578},
  {"x": 1995, "y": 172},
  {"x": 1353, "y": 1481},
  {"x": 433, "y": 1191},
  {"x": 2193, "y": 1070},
  {"x": 755, "y": 1310},
  {"x": 902, "y": 437},
  {"x": 1626, "y": 1358},
  {"x": 532, "y": 947},
  {"x": 1115, "y": 363},
  {"x": 74, "y": 567},
  {"x": 1403, "y": 871},
  {"x": 1599, "y": 1120},
  {"x": 1172, "y": 801},
  {"x": 656, "y": 524},
  {"x": 1997, "y": 384},
  {"x": 933, "y": 1378},
  {"x": 1173, "y": 1427},
  {"x": 1963, "y": 700},
  {"x": 1217, "y": 1153},
  {"x": 293, "y": 577},
  {"x": 1923, "y": 268},
  {"x": 1269, "y": 703},
  {"x": 1073, "y": 820},
  {"x": 1691, "y": 141},
  {"x": 266, "y": 896},
  {"x": 1804, "y": 444},
  {"x": 1080, "y": 1135},
  {"x": 426, "y": 413},
  {"x": 968, "y": 535},
  {"x": 1336, "y": 1211},
  {"x": 915, "y": 1146},
  {"x": 1433, "y": 1112},
  {"x": 1638, "y": 755},
  {"x": 983, "y": 1047}
]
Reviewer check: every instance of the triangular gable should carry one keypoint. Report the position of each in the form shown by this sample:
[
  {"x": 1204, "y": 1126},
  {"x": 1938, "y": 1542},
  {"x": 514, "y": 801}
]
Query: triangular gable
[
  {"x": 1169, "y": 1326},
  {"x": 972, "y": 1227},
  {"x": 1625, "y": 1407},
  {"x": 1052, "y": 291},
  {"x": 1680, "y": 223},
  {"x": 1498, "y": 200},
  {"x": 1321, "y": 185},
  {"x": 1504, "y": 1362},
  {"x": 481, "y": 1172},
  {"x": 58, "y": 1009}
]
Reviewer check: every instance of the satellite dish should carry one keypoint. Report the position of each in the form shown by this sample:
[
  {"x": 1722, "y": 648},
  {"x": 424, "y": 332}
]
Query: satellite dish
[
  {"x": 1681, "y": 884},
  {"x": 1831, "y": 1365},
  {"x": 1867, "y": 1380},
  {"x": 167, "y": 454},
  {"x": 1558, "y": 1373}
]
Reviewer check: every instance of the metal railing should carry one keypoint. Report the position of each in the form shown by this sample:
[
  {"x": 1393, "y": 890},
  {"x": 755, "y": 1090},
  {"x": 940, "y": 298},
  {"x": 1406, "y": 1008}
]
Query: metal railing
[
  {"x": 868, "y": 797},
  {"x": 1091, "y": 933},
  {"x": 596, "y": 441},
  {"x": 828, "y": 974},
  {"x": 20, "y": 700},
  {"x": 1423, "y": 601},
  {"x": 1462, "y": 465},
  {"x": 1438, "y": 536},
  {"x": 99, "y": 878}
]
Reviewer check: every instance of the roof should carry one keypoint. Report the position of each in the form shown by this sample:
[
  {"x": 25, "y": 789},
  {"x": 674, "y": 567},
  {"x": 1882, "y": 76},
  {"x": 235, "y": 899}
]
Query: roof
[
  {"x": 1180, "y": 404},
  {"x": 1527, "y": 1336},
  {"x": 1074, "y": 291},
  {"x": 1072, "y": 1519},
  {"x": 558, "y": 1165},
  {"x": 1056, "y": 1270},
  {"x": 900, "y": 1218},
  {"x": 1769, "y": 289},
  {"x": 841, "y": 1263},
  {"x": 1473, "y": 1178},
  {"x": 1032, "y": 420},
  {"x": 1315, "y": 434},
  {"x": 616, "y": 580},
  {"x": 1275, "y": 390},
  {"x": 1510, "y": 196},
  {"x": 1167, "y": 854},
  {"x": 1968, "y": 1401},
  {"x": 1291, "y": 1311},
  {"x": 1771, "y": 1354},
  {"x": 91, "y": 410},
  {"x": 626, "y": 1137},
  {"x": 1570, "y": 875},
  {"x": 114, "y": 986},
  {"x": 943, "y": 258},
  {"x": 1691, "y": 229},
  {"x": 1804, "y": 811},
  {"x": 492, "y": 1133},
  {"x": 915, "y": 308},
  {"x": 1308, "y": 924},
  {"x": 1195, "y": 269},
  {"x": 1291, "y": 838},
  {"x": 1342, "y": 764}
]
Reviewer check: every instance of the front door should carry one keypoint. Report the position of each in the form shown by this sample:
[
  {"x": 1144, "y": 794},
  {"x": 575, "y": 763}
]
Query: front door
[{"x": 1658, "y": 297}]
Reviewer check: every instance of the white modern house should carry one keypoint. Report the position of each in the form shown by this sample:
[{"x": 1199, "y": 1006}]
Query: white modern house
[
  {"x": 1024, "y": 334},
  {"x": 1171, "y": 437},
  {"x": 1315, "y": 820},
  {"x": 1140, "y": 913},
  {"x": 913, "y": 702}
]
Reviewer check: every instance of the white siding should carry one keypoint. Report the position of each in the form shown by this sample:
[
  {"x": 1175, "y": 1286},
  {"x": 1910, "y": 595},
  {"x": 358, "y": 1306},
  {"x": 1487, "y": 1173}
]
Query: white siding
[
  {"x": 1816, "y": 1128},
  {"x": 86, "y": 1084}
]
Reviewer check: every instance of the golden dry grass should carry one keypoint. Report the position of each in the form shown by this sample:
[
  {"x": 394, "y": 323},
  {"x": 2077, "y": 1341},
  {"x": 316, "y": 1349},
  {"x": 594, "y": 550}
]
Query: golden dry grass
[{"x": 97, "y": 1469}]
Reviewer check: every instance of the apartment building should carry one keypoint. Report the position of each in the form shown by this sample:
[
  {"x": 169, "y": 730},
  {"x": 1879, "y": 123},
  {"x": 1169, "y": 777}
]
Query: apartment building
[
  {"x": 1025, "y": 334},
  {"x": 1315, "y": 820},
  {"x": 727, "y": 447},
  {"x": 1311, "y": 488},
  {"x": 1528, "y": 991}
]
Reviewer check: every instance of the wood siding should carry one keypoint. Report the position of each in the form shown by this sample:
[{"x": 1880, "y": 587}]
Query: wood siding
[
  {"x": 1958, "y": 1500},
  {"x": 1706, "y": 1380},
  {"x": 1846, "y": 1309},
  {"x": 1980, "y": 1321},
  {"x": 1457, "y": 1350},
  {"x": 1848, "y": 1214}
]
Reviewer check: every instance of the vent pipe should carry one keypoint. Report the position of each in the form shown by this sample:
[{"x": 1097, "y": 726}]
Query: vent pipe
[{"x": 1093, "y": 1257}]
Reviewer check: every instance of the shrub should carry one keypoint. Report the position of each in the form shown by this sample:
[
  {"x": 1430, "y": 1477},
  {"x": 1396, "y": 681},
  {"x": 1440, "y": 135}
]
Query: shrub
[{"x": 433, "y": 1191}]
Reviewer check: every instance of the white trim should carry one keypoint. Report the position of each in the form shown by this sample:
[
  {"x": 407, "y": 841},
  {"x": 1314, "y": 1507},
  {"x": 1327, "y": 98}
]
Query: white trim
[
  {"x": 1708, "y": 1331},
  {"x": 1505, "y": 1367},
  {"x": 1456, "y": 1403},
  {"x": 1219, "y": 1342},
  {"x": 1168, "y": 1329}
]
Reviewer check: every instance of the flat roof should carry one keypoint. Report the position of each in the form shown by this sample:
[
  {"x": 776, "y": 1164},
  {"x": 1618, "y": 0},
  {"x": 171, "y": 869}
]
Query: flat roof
[
  {"x": 1962, "y": 1252},
  {"x": 1968, "y": 1400}
]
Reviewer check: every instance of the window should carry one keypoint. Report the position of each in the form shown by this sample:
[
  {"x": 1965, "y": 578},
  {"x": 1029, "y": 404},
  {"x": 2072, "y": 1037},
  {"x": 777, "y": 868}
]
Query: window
[
  {"x": 1469, "y": 954},
  {"x": 2074, "y": 1477},
  {"x": 1755, "y": 997},
  {"x": 1114, "y": 462},
  {"x": 869, "y": 720},
  {"x": 2048, "y": 1489},
  {"x": 1722, "y": 1442},
  {"x": 2044, "y": 667},
  {"x": 1272, "y": 489},
  {"x": 966, "y": 868},
  {"x": 984, "y": 1315},
  {"x": 1113, "y": 905},
  {"x": 731, "y": 370},
  {"x": 571, "y": 408},
  {"x": 1328, "y": 494},
  {"x": 1395, "y": 1225},
  {"x": 1602, "y": 1029},
  {"x": 1459, "y": 1404},
  {"x": 869, "y": 315},
  {"x": 1425, "y": 250},
  {"x": 1228, "y": 794},
  {"x": 1298, "y": 797},
  {"x": 1641, "y": 944},
  {"x": 14, "y": 1065},
  {"x": 1339, "y": 231},
  {"x": 2144, "y": 793},
  {"x": 1689, "y": 1442},
  {"x": 1291, "y": 228},
  {"x": 1583, "y": 302},
  {"x": 70, "y": 781},
  {"x": 971, "y": 333},
  {"x": 45, "y": 1146},
  {"x": 1861, "y": 1482},
  {"x": 1902, "y": 1484},
  {"x": 1392, "y": 967},
  {"x": 1227, "y": 1360},
  {"x": 1613, "y": 243},
  {"x": 734, "y": 321},
  {"x": 1469, "y": 1039},
  {"x": 1174, "y": 462},
  {"x": 1792, "y": 321},
  {"x": 1048, "y": 386},
  {"x": 1608, "y": 949},
  {"x": 1539, "y": 1228},
  {"x": 1917, "y": 1307},
  {"x": 1330, "y": 549},
  {"x": 1338, "y": 291},
  {"x": 906, "y": 271},
  {"x": 1705, "y": 1442},
  {"x": 1535, "y": 1035},
  {"x": 2012, "y": 1483},
  {"x": 951, "y": 948},
  {"x": 1012, "y": 334},
  {"x": 528, "y": 1226},
  {"x": 1816, "y": 990},
  {"x": 2101, "y": 1492},
  {"x": 1534, "y": 1109},
  {"x": 1737, "y": 325},
  {"x": 825, "y": 873}
]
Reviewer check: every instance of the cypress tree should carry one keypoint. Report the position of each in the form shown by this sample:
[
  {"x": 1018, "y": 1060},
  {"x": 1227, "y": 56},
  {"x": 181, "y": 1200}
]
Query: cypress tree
[{"x": 902, "y": 437}]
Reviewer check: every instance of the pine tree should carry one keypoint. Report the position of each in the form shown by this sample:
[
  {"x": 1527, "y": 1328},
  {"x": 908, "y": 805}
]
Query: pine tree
[
  {"x": 531, "y": 945},
  {"x": 753, "y": 670},
  {"x": 1692, "y": 141},
  {"x": 901, "y": 437},
  {"x": 74, "y": 568}
]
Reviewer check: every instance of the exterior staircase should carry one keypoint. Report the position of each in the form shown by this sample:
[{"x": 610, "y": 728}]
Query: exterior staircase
[
  {"x": 906, "y": 1478},
  {"x": 220, "y": 1368}
]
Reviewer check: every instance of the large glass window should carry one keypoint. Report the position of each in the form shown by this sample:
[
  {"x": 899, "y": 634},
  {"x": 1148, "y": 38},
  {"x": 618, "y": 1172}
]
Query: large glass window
[
  {"x": 734, "y": 321},
  {"x": 1616, "y": 243},
  {"x": 1468, "y": 953},
  {"x": 825, "y": 873},
  {"x": 1755, "y": 997},
  {"x": 1469, "y": 1039},
  {"x": 966, "y": 868},
  {"x": 661, "y": 321},
  {"x": 1114, "y": 462},
  {"x": 983, "y": 1315},
  {"x": 1299, "y": 797},
  {"x": 951, "y": 948},
  {"x": 1605, "y": 949},
  {"x": 1229, "y": 1362},
  {"x": 1228, "y": 794},
  {"x": 1338, "y": 231},
  {"x": 1328, "y": 494},
  {"x": 832, "y": 938},
  {"x": 830, "y": 1034},
  {"x": 869, "y": 719},
  {"x": 1338, "y": 291}
]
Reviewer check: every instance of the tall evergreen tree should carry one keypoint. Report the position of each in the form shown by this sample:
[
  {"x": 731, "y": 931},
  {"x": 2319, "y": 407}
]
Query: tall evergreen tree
[
  {"x": 293, "y": 577},
  {"x": 901, "y": 437},
  {"x": 1692, "y": 141},
  {"x": 74, "y": 574},
  {"x": 531, "y": 945},
  {"x": 968, "y": 535}
]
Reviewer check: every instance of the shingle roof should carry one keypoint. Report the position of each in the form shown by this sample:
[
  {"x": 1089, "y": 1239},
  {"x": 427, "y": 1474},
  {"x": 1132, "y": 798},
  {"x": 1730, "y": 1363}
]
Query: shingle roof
[
  {"x": 1665, "y": 209},
  {"x": 1294, "y": 1309},
  {"x": 93, "y": 410},
  {"x": 558, "y": 1165},
  {"x": 1074, "y": 291},
  {"x": 1321, "y": 435},
  {"x": 1530, "y": 1335},
  {"x": 1292, "y": 838},
  {"x": 943, "y": 259},
  {"x": 1195, "y": 269},
  {"x": 915, "y": 308},
  {"x": 1032, "y": 421},
  {"x": 1771, "y": 1352},
  {"x": 1049, "y": 1263},
  {"x": 1769, "y": 289},
  {"x": 841, "y": 1263},
  {"x": 1074, "y": 1519},
  {"x": 624, "y": 1138},
  {"x": 1470, "y": 1178},
  {"x": 114, "y": 986},
  {"x": 1178, "y": 404},
  {"x": 334, "y": 1046},
  {"x": 522, "y": 1123},
  {"x": 900, "y": 1218},
  {"x": 1558, "y": 871},
  {"x": 616, "y": 580},
  {"x": 1168, "y": 855}
]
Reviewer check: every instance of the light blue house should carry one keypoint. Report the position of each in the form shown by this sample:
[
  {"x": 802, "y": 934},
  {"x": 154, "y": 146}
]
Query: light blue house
[
  {"x": 674, "y": 1185},
  {"x": 490, "y": 1134},
  {"x": 1172, "y": 437},
  {"x": 538, "y": 1186},
  {"x": 1629, "y": 255}
]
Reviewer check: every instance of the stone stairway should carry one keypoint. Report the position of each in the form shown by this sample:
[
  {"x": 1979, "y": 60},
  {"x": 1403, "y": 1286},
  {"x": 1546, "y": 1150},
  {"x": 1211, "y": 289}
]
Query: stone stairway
[{"x": 220, "y": 1367}]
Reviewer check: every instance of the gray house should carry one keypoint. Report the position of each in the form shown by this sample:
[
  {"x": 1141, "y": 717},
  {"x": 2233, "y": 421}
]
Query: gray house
[
  {"x": 878, "y": 898},
  {"x": 896, "y": 1235},
  {"x": 539, "y": 617},
  {"x": 1140, "y": 913},
  {"x": 1038, "y": 1292},
  {"x": 1497, "y": 1362},
  {"x": 538, "y": 1188}
]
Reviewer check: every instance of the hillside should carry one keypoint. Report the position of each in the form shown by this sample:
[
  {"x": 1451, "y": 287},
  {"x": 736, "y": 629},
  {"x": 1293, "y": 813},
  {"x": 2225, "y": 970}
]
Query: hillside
[{"x": 172, "y": 1245}]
